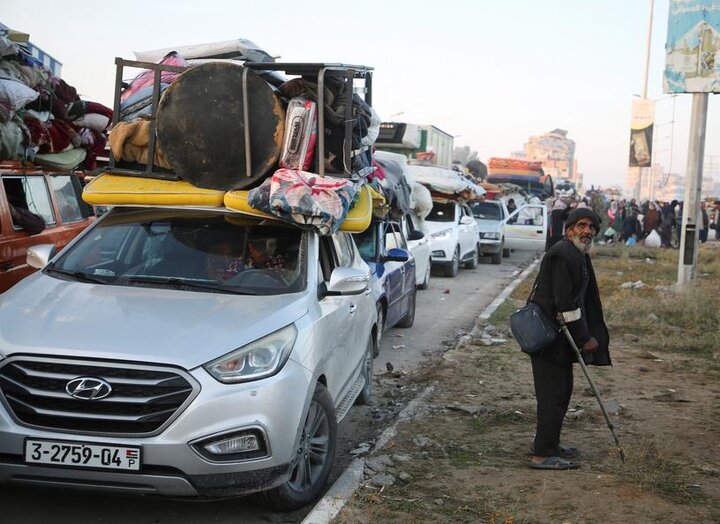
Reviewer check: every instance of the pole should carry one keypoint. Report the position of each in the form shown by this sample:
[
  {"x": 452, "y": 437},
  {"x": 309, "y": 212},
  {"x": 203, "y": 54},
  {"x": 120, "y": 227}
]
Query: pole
[
  {"x": 642, "y": 171},
  {"x": 594, "y": 388},
  {"x": 687, "y": 262}
]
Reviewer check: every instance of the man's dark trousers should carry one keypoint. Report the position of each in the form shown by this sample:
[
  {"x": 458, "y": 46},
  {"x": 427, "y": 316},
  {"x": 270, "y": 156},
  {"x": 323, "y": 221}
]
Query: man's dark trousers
[{"x": 553, "y": 389}]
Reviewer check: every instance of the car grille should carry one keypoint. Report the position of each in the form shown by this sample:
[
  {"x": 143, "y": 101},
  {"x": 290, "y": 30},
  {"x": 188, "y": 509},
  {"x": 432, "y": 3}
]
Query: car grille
[{"x": 143, "y": 399}]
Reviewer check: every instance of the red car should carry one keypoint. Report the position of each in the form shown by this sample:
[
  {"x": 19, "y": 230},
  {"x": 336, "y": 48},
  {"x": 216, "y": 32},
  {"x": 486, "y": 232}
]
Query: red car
[{"x": 55, "y": 197}]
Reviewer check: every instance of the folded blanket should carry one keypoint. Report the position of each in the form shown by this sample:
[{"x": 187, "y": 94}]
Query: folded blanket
[
  {"x": 306, "y": 199},
  {"x": 129, "y": 141},
  {"x": 146, "y": 78}
]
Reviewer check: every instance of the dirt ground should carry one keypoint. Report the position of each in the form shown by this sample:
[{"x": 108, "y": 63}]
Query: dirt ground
[{"x": 462, "y": 457}]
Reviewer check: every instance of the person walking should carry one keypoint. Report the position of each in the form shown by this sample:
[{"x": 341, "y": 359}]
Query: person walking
[
  {"x": 705, "y": 224},
  {"x": 567, "y": 289}
]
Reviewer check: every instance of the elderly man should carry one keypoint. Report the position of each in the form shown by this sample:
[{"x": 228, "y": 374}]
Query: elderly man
[{"x": 566, "y": 289}]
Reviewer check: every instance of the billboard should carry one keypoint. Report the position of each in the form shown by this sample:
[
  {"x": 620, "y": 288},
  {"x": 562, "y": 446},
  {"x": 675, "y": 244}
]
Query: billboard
[
  {"x": 692, "y": 50},
  {"x": 641, "y": 132}
]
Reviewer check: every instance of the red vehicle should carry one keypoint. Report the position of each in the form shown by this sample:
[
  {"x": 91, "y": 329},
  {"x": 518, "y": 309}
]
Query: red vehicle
[{"x": 55, "y": 196}]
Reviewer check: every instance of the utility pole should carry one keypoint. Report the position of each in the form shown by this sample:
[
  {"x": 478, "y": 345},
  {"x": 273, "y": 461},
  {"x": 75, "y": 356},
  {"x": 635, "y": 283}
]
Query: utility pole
[
  {"x": 687, "y": 263},
  {"x": 642, "y": 171}
]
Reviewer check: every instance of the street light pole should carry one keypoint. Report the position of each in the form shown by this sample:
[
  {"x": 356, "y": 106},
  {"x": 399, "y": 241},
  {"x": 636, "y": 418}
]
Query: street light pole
[{"x": 643, "y": 171}]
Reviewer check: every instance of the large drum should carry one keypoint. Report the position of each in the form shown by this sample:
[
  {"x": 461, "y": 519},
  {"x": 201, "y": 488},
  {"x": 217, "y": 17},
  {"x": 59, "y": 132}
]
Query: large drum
[{"x": 200, "y": 127}]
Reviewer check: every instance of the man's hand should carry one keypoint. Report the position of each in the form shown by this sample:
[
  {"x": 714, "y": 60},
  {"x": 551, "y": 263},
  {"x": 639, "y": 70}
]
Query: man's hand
[{"x": 591, "y": 345}]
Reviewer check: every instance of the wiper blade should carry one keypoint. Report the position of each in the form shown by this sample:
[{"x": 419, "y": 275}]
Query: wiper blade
[
  {"x": 180, "y": 283},
  {"x": 76, "y": 275}
]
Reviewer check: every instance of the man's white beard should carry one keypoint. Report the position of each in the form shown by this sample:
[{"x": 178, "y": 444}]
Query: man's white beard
[{"x": 582, "y": 246}]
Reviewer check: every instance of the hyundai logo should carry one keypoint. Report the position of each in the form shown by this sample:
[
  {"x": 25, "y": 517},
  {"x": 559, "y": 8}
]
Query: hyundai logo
[{"x": 88, "y": 388}]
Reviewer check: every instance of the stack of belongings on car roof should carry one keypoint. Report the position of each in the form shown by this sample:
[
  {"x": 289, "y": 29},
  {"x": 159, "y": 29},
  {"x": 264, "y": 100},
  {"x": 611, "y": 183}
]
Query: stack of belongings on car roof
[
  {"x": 42, "y": 118},
  {"x": 400, "y": 187},
  {"x": 200, "y": 134},
  {"x": 445, "y": 183}
]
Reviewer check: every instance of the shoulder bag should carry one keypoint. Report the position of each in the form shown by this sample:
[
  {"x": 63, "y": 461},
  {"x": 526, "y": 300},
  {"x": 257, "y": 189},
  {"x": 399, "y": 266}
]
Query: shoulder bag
[{"x": 531, "y": 326}]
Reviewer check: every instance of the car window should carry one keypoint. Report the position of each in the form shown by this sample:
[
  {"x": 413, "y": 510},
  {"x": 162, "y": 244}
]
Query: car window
[
  {"x": 486, "y": 211},
  {"x": 366, "y": 243},
  {"x": 67, "y": 198},
  {"x": 31, "y": 193},
  {"x": 393, "y": 237},
  {"x": 343, "y": 250},
  {"x": 442, "y": 212},
  {"x": 190, "y": 251}
]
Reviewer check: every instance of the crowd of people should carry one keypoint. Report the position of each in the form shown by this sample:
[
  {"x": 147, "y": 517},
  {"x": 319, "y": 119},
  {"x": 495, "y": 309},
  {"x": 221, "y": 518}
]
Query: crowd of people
[{"x": 652, "y": 223}]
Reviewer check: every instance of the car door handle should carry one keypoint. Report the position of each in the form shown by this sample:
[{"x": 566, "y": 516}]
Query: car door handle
[
  {"x": 353, "y": 307},
  {"x": 538, "y": 230}
]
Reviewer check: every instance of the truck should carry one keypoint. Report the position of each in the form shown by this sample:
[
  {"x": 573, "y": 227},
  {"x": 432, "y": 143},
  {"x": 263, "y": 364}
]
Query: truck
[{"x": 529, "y": 175}]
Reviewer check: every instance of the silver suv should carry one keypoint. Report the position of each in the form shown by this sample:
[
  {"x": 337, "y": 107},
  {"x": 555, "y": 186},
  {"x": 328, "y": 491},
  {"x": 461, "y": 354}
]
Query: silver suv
[{"x": 185, "y": 353}]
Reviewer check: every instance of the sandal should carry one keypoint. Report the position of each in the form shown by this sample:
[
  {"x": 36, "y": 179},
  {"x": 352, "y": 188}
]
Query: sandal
[{"x": 554, "y": 463}]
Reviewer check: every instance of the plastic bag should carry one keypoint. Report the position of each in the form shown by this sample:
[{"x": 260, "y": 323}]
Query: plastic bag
[{"x": 653, "y": 239}]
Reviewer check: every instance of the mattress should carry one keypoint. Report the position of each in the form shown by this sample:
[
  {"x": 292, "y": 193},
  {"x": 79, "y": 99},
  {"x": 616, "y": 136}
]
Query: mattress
[{"x": 116, "y": 190}]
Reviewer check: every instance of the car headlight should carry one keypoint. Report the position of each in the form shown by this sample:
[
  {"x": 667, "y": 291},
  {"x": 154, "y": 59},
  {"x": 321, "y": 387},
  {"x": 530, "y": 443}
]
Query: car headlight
[
  {"x": 259, "y": 359},
  {"x": 490, "y": 236},
  {"x": 442, "y": 235}
]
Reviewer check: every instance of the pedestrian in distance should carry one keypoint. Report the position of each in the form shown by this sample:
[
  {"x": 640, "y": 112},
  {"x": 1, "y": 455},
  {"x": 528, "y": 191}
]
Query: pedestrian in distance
[{"x": 566, "y": 289}]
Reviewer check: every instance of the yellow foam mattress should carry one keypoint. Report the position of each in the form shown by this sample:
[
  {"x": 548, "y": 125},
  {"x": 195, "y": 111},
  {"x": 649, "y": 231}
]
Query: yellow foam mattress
[
  {"x": 117, "y": 190},
  {"x": 357, "y": 220}
]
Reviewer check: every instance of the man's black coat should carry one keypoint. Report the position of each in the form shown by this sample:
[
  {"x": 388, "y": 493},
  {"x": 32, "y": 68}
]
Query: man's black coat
[{"x": 559, "y": 283}]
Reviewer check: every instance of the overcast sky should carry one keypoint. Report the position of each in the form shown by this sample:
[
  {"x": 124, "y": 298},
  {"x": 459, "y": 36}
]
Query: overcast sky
[{"x": 491, "y": 72}]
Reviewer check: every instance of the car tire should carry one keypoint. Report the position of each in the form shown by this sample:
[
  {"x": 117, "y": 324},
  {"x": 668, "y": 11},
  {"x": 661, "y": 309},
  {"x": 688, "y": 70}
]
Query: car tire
[
  {"x": 409, "y": 319},
  {"x": 316, "y": 452},
  {"x": 426, "y": 281},
  {"x": 379, "y": 330},
  {"x": 473, "y": 263},
  {"x": 366, "y": 395},
  {"x": 506, "y": 252},
  {"x": 496, "y": 258},
  {"x": 451, "y": 270}
]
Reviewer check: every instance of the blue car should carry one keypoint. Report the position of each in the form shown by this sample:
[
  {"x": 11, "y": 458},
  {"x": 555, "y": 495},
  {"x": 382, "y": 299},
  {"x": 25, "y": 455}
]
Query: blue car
[{"x": 384, "y": 247}]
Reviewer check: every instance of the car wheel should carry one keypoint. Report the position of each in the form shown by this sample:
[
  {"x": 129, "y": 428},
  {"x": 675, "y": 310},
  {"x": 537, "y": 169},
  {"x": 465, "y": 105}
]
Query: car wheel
[
  {"x": 473, "y": 263},
  {"x": 409, "y": 319},
  {"x": 315, "y": 455},
  {"x": 451, "y": 270},
  {"x": 426, "y": 281},
  {"x": 496, "y": 258},
  {"x": 366, "y": 395},
  {"x": 379, "y": 329},
  {"x": 506, "y": 252}
]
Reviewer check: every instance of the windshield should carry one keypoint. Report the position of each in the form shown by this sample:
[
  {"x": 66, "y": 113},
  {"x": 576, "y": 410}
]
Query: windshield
[
  {"x": 442, "y": 212},
  {"x": 486, "y": 211},
  {"x": 367, "y": 243},
  {"x": 189, "y": 250}
]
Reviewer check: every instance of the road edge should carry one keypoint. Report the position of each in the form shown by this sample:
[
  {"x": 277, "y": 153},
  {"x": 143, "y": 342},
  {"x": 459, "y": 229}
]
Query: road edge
[{"x": 342, "y": 490}]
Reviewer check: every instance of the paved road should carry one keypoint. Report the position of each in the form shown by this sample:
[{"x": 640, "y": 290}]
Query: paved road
[{"x": 448, "y": 306}]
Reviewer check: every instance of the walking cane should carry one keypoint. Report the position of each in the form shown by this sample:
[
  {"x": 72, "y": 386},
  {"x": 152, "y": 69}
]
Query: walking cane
[{"x": 593, "y": 387}]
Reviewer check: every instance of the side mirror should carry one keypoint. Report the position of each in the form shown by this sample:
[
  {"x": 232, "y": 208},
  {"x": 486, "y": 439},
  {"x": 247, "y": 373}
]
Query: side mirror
[
  {"x": 466, "y": 220},
  {"x": 348, "y": 281},
  {"x": 397, "y": 255},
  {"x": 416, "y": 235},
  {"x": 38, "y": 256}
]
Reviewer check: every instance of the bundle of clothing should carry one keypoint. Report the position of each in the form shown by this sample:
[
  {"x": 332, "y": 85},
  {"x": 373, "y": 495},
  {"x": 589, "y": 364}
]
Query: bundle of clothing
[
  {"x": 305, "y": 199},
  {"x": 42, "y": 118}
]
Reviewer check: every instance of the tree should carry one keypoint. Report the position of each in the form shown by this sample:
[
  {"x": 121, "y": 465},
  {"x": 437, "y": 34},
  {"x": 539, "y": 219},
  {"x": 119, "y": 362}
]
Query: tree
[{"x": 477, "y": 168}]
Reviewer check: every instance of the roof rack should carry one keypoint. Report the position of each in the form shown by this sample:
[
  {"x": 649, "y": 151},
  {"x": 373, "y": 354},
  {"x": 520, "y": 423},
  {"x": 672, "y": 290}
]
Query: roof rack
[{"x": 318, "y": 70}]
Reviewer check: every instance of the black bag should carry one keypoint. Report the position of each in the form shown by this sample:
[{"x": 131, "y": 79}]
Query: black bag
[{"x": 532, "y": 328}]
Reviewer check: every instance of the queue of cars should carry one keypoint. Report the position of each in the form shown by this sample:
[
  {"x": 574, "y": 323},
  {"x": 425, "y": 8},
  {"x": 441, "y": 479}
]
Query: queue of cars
[{"x": 138, "y": 360}]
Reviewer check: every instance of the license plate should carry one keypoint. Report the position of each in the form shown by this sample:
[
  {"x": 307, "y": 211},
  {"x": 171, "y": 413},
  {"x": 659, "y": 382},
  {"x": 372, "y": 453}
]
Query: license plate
[{"x": 83, "y": 455}]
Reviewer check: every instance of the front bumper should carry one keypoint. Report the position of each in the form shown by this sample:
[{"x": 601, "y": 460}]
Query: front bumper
[
  {"x": 170, "y": 465},
  {"x": 442, "y": 250},
  {"x": 490, "y": 247}
]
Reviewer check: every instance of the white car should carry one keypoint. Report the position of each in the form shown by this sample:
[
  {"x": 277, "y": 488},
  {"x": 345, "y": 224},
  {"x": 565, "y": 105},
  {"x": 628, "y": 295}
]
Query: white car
[
  {"x": 526, "y": 228},
  {"x": 419, "y": 246},
  {"x": 185, "y": 353},
  {"x": 490, "y": 216},
  {"x": 454, "y": 236}
]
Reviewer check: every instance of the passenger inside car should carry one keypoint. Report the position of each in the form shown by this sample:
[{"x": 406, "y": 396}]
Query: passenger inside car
[{"x": 22, "y": 217}]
